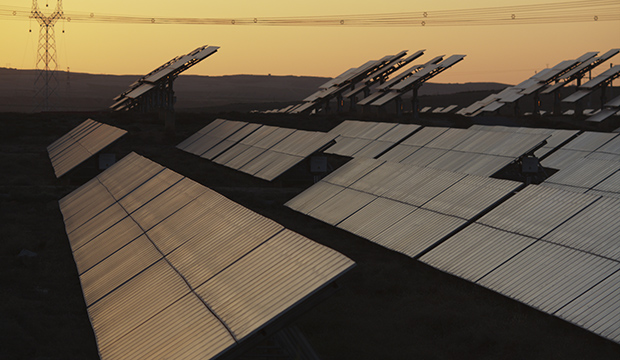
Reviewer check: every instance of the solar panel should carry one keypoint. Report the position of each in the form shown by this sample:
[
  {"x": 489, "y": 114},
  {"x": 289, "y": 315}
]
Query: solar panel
[
  {"x": 476, "y": 251},
  {"x": 548, "y": 276},
  {"x": 563, "y": 158},
  {"x": 80, "y": 144},
  {"x": 588, "y": 87},
  {"x": 348, "y": 83},
  {"x": 413, "y": 77},
  {"x": 421, "y": 157},
  {"x": 166, "y": 292},
  {"x": 470, "y": 151},
  {"x": 152, "y": 82},
  {"x": 596, "y": 309},
  {"x": 536, "y": 211},
  {"x": 230, "y": 141},
  {"x": 449, "y": 109},
  {"x": 392, "y": 64},
  {"x": 367, "y": 139},
  {"x": 259, "y": 150},
  {"x": 562, "y": 73},
  {"x": 587, "y": 174},
  {"x": 213, "y": 137},
  {"x": 557, "y": 137},
  {"x": 586, "y": 144},
  {"x": 615, "y": 103},
  {"x": 402, "y": 207},
  {"x": 400, "y": 77},
  {"x": 590, "y": 230},
  {"x": 551, "y": 249},
  {"x": 610, "y": 109}
]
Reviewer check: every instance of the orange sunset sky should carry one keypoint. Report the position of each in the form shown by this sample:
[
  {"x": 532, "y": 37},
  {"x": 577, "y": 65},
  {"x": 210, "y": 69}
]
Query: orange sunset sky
[{"x": 495, "y": 53}]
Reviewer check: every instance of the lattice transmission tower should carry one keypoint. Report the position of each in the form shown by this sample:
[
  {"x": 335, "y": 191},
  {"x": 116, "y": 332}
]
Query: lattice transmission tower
[{"x": 46, "y": 81}]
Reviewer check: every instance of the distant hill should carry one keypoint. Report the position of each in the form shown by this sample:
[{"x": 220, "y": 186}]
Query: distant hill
[{"x": 91, "y": 92}]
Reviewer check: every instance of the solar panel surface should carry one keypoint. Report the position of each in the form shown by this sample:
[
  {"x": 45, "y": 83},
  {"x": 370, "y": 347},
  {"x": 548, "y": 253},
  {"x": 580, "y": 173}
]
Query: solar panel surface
[
  {"x": 163, "y": 257},
  {"x": 81, "y": 143}
]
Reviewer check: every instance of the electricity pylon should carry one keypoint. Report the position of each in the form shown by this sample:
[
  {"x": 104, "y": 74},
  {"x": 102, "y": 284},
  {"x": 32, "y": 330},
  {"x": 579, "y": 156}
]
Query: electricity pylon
[{"x": 47, "y": 64}]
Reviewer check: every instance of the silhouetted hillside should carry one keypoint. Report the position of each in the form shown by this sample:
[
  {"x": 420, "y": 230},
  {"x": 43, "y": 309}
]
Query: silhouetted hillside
[{"x": 91, "y": 92}]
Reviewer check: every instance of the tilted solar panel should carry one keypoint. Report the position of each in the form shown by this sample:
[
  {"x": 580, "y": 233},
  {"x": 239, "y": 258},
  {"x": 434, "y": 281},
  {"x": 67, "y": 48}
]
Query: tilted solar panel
[
  {"x": 80, "y": 144},
  {"x": 551, "y": 249},
  {"x": 160, "y": 257}
]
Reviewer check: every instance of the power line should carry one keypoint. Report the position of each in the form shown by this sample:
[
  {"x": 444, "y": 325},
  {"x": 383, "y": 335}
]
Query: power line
[{"x": 547, "y": 13}]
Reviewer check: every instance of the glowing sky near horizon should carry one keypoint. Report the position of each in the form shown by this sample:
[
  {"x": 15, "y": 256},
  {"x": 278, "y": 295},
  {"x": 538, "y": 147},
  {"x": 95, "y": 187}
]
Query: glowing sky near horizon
[{"x": 495, "y": 53}]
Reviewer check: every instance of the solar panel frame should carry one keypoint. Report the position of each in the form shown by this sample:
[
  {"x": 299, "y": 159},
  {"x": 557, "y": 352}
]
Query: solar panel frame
[
  {"x": 352, "y": 171},
  {"x": 450, "y": 139},
  {"x": 150, "y": 189},
  {"x": 605, "y": 76},
  {"x": 134, "y": 302},
  {"x": 609, "y": 186},
  {"x": 87, "y": 228}
]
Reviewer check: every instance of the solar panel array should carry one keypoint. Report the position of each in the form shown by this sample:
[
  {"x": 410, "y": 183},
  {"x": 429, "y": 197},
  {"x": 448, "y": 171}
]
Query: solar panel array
[
  {"x": 344, "y": 82},
  {"x": 367, "y": 139},
  {"x": 381, "y": 74},
  {"x": 170, "y": 268},
  {"x": 156, "y": 79},
  {"x": 376, "y": 76},
  {"x": 602, "y": 79},
  {"x": 551, "y": 249},
  {"x": 415, "y": 80},
  {"x": 259, "y": 150},
  {"x": 580, "y": 71},
  {"x": 402, "y": 207},
  {"x": 545, "y": 82},
  {"x": 468, "y": 151},
  {"x": 590, "y": 144},
  {"x": 81, "y": 143}
]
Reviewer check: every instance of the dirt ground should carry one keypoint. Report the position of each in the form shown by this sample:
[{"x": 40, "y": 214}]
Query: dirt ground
[{"x": 389, "y": 306}]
